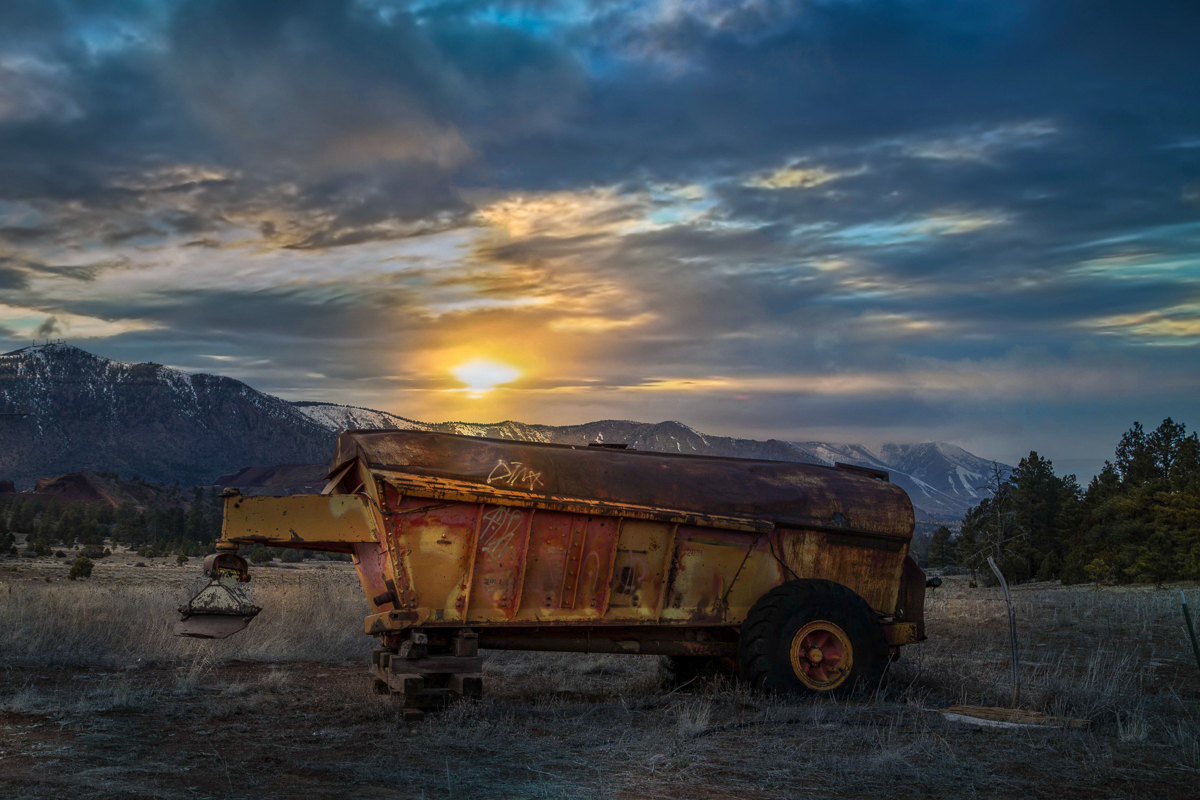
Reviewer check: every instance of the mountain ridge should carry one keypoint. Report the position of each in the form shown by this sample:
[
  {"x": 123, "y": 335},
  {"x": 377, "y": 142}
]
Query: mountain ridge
[
  {"x": 64, "y": 410},
  {"x": 942, "y": 479},
  {"x": 68, "y": 410}
]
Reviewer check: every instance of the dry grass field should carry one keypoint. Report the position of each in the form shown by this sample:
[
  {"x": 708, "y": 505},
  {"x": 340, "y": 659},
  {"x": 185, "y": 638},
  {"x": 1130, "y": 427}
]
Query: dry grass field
[{"x": 97, "y": 699}]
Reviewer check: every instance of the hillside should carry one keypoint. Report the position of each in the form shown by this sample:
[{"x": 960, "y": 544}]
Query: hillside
[
  {"x": 90, "y": 487},
  {"x": 66, "y": 410}
]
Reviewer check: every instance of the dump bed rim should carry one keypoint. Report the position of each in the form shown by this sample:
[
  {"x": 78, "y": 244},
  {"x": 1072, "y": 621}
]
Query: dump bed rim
[
  {"x": 784, "y": 493},
  {"x": 655, "y": 453}
]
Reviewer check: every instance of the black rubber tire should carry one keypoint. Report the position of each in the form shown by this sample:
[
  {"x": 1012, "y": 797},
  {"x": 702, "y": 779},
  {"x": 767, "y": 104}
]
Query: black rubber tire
[{"x": 764, "y": 660}]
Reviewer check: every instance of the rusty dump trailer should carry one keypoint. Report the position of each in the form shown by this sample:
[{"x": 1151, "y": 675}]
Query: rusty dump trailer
[{"x": 796, "y": 576}]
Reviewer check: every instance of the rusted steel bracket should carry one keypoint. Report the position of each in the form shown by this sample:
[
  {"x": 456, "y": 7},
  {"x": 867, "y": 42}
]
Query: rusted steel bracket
[
  {"x": 468, "y": 492},
  {"x": 648, "y": 640},
  {"x": 311, "y": 521},
  {"x": 901, "y": 633}
]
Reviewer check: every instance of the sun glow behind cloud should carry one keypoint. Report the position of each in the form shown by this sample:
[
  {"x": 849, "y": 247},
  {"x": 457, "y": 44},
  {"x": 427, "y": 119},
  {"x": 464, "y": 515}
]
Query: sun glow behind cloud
[{"x": 481, "y": 376}]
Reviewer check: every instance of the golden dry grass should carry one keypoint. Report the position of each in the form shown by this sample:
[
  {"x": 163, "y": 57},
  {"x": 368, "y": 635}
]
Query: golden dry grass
[
  {"x": 200, "y": 721},
  {"x": 125, "y": 614}
]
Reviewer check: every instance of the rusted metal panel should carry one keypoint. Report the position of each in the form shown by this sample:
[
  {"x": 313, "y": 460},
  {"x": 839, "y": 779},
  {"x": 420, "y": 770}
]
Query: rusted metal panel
[
  {"x": 300, "y": 520},
  {"x": 551, "y": 547},
  {"x": 568, "y": 568},
  {"x": 902, "y": 633},
  {"x": 434, "y": 541},
  {"x": 910, "y": 606},
  {"x": 596, "y": 564},
  {"x": 572, "y": 562},
  {"x": 374, "y": 573},
  {"x": 783, "y": 493},
  {"x": 853, "y": 560},
  {"x": 499, "y": 563},
  {"x": 713, "y": 642},
  {"x": 718, "y": 575},
  {"x": 639, "y": 570},
  {"x": 550, "y": 541},
  {"x": 462, "y": 491}
]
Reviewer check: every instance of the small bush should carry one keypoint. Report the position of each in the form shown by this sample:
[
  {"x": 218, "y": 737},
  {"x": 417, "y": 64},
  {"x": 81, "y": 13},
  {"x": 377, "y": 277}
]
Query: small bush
[
  {"x": 1050, "y": 568},
  {"x": 60, "y": 554},
  {"x": 82, "y": 568},
  {"x": 180, "y": 560},
  {"x": 291, "y": 556},
  {"x": 260, "y": 556}
]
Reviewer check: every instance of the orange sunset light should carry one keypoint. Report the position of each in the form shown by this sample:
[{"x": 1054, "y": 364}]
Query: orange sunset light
[{"x": 481, "y": 375}]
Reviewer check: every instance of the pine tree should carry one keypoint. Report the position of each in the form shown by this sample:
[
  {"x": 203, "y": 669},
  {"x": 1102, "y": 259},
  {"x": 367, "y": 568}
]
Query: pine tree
[
  {"x": 1140, "y": 517},
  {"x": 196, "y": 527},
  {"x": 941, "y": 548}
]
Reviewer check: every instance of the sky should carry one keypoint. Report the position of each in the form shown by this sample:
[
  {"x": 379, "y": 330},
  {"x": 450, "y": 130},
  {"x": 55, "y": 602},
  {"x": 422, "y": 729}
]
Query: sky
[{"x": 972, "y": 221}]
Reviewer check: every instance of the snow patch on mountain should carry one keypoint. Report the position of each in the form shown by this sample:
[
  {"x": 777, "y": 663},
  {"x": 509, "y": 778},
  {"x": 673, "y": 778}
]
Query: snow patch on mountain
[
  {"x": 67, "y": 410},
  {"x": 941, "y": 479}
]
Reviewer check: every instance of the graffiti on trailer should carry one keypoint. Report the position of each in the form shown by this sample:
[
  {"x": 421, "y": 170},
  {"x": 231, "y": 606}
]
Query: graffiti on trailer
[
  {"x": 631, "y": 575},
  {"x": 591, "y": 574},
  {"x": 514, "y": 473},
  {"x": 500, "y": 527}
]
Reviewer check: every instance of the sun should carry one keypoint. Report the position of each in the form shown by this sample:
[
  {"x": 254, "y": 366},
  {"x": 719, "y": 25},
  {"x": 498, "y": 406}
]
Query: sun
[{"x": 481, "y": 375}]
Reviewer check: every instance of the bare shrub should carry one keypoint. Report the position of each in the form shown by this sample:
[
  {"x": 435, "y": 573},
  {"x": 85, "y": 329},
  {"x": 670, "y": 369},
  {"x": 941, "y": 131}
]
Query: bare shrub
[
  {"x": 82, "y": 568},
  {"x": 189, "y": 675},
  {"x": 694, "y": 717}
]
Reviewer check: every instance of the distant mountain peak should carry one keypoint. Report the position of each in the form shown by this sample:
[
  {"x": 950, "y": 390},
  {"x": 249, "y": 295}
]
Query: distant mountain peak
[
  {"x": 68, "y": 410},
  {"x": 63, "y": 410},
  {"x": 939, "y": 477}
]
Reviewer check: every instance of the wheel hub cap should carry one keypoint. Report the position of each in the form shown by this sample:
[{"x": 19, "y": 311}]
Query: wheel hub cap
[{"x": 821, "y": 655}]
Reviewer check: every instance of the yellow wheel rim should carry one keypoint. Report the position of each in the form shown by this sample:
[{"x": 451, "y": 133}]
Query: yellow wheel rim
[{"x": 821, "y": 656}]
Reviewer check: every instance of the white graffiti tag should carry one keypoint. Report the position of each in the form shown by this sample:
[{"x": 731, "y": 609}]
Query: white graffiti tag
[
  {"x": 514, "y": 473},
  {"x": 499, "y": 528}
]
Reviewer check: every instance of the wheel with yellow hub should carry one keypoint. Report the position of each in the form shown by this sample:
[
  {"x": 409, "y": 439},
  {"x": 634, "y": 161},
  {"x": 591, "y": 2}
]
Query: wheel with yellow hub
[{"x": 812, "y": 637}]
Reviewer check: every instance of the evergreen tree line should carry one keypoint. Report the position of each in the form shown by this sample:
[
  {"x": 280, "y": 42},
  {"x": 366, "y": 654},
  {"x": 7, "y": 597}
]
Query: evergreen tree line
[
  {"x": 1137, "y": 521},
  {"x": 163, "y": 528}
]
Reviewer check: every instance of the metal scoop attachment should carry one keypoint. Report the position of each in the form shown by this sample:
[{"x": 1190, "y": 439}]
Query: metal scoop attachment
[{"x": 223, "y": 607}]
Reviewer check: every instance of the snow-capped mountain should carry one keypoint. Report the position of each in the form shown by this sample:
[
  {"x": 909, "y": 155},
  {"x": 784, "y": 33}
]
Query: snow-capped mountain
[
  {"x": 63, "y": 409},
  {"x": 943, "y": 480}
]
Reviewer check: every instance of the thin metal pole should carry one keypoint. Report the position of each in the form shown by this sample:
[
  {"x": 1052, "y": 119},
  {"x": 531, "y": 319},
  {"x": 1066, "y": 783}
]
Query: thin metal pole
[
  {"x": 1012, "y": 632},
  {"x": 1187, "y": 617}
]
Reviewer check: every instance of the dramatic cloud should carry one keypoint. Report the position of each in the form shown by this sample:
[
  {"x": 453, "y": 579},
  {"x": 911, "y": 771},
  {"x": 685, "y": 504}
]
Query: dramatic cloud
[{"x": 863, "y": 219}]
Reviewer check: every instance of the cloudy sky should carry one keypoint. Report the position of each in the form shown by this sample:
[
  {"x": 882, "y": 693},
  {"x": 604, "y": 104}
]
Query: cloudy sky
[{"x": 974, "y": 221}]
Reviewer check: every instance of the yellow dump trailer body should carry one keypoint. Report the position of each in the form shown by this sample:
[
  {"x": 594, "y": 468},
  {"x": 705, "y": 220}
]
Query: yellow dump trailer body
[{"x": 542, "y": 546}]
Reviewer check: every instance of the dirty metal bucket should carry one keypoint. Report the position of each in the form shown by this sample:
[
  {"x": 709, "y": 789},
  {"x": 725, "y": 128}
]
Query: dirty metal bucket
[{"x": 223, "y": 607}]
